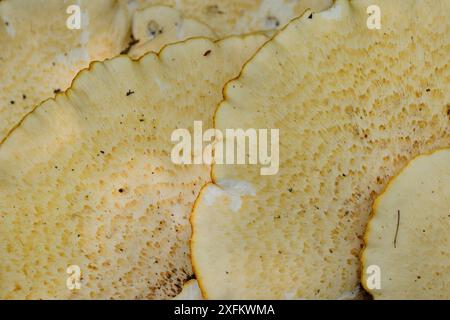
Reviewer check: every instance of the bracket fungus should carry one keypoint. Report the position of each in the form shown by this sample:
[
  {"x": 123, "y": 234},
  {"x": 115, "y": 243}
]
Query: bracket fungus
[
  {"x": 87, "y": 180},
  {"x": 40, "y": 55},
  {"x": 408, "y": 236},
  {"x": 353, "y": 105}
]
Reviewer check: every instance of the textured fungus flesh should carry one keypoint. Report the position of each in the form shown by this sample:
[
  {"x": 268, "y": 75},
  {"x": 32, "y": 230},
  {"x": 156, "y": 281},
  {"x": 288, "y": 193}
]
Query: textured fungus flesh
[
  {"x": 40, "y": 55},
  {"x": 353, "y": 106},
  {"x": 87, "y": 178}
]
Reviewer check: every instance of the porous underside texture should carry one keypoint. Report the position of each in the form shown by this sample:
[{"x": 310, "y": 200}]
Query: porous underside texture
[
  {"x": 408, "y": 235},
  {"x": 40, "y": 55},
  {"x": 87, "y": 178},
  {"x": 353, "y": 106}
]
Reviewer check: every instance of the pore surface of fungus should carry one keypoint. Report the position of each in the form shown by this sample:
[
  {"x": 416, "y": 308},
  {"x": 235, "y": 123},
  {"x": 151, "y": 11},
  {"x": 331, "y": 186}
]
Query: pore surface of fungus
[
  {"x": 353, "y": 105},
  {"x": 87, "y": 178},
  {"x": 40, "y": 55}
]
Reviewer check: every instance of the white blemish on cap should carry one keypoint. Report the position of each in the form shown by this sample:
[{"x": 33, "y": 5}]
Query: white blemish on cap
[
  {"x": 236, "y": 189},
  {"x": 212, "y": 192},
  {"x": 232, "y": 189}
]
